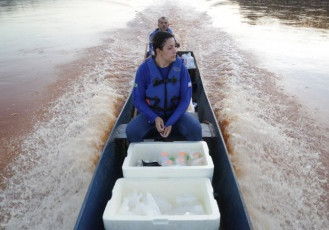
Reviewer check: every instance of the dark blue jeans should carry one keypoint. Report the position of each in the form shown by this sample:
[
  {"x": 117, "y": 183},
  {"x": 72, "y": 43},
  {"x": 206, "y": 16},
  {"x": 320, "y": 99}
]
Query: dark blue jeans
[{"x": 187, "y": 126}]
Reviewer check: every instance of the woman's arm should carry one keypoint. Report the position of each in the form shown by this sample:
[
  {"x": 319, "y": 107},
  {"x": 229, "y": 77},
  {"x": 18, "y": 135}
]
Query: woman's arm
[
  {"x": 139, "y": 93},
  {"x": 185, "y": 97}
]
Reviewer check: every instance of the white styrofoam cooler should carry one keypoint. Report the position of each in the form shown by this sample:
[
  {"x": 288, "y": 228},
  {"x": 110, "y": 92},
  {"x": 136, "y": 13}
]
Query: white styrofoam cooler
[
  {"x": 152, "y": 151},
  {"x": 169, "y": 188}
]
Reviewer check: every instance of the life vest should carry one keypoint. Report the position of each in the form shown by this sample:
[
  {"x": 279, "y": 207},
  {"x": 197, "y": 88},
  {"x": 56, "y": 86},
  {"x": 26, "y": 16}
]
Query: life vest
[{"x": 162, "y": 95}]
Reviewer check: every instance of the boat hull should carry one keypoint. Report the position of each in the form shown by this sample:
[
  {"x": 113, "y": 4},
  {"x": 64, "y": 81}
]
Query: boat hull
[{"x": 233, "y": 212}]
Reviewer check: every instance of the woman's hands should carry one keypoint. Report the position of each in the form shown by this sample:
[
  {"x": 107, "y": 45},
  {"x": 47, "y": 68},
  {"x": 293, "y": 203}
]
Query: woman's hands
[
  {"x": 164, "y": 131},
  {"x": 159, "y": 124}
]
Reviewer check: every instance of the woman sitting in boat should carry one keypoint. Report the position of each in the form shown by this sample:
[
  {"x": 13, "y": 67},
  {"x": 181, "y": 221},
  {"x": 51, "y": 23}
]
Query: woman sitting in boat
[{"x": 161, "y": 94}]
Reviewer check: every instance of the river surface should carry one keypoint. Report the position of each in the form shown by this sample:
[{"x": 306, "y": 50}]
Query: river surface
[{"x": 66, "y": 69}]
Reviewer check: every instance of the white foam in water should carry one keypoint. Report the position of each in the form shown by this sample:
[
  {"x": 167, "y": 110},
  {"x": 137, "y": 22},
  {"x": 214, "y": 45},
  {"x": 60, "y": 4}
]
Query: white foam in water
[
  {"x": 276, "y": 147},
  {"x": 58, "y": 158},
  {"x": 273, "y": 142}
]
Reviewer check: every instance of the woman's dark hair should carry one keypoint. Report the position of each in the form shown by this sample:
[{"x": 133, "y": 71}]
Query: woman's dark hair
[{"x": 160, "y": 39}]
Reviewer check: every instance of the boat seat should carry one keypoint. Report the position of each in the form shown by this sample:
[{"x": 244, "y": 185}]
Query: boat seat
[{"x": 207, "y": 131}]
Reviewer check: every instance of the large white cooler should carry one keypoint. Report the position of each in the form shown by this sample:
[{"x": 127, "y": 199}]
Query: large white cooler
[
  {"x": 168, "y": 188},
  {"x": 152, "y": 151}
]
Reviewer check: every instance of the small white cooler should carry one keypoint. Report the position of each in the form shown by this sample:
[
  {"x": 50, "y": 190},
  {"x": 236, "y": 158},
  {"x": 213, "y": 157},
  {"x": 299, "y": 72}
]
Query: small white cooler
[
  {"x": 168, "y": 188},
  {"x": 151, "y": 151},
  {"x": 169, "y": 183}
]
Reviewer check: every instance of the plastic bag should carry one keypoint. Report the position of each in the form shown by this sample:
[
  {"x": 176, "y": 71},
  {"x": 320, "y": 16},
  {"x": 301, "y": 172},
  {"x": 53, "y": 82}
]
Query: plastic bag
[
  {"x": 188, "y": 61},
  {"x": 138, "y": 203}
]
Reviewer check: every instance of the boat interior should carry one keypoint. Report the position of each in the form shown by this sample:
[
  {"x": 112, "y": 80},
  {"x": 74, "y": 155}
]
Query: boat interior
[{"x": 109, "y": 169}]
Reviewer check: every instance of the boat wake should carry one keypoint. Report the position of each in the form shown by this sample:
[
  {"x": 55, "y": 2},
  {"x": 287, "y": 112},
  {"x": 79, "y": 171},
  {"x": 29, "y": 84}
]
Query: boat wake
[
  {"x": 57, "y": 160},
  {"x": 277, "y": 150}
]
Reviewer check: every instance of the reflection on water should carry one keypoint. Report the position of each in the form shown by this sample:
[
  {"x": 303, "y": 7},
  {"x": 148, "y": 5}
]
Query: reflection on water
[
  {"x": 313, "y": 13},
  {"x": 295, "y": 52},
  {"x": 36, "y": 37}
]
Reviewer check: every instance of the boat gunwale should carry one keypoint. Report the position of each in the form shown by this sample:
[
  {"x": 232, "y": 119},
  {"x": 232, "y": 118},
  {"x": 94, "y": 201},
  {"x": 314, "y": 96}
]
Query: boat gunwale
[{"x": 110, "y": 143}]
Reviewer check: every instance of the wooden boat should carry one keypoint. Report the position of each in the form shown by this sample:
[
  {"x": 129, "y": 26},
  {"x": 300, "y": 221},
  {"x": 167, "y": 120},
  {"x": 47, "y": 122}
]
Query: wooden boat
[{"x": 226, "y": 190}]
